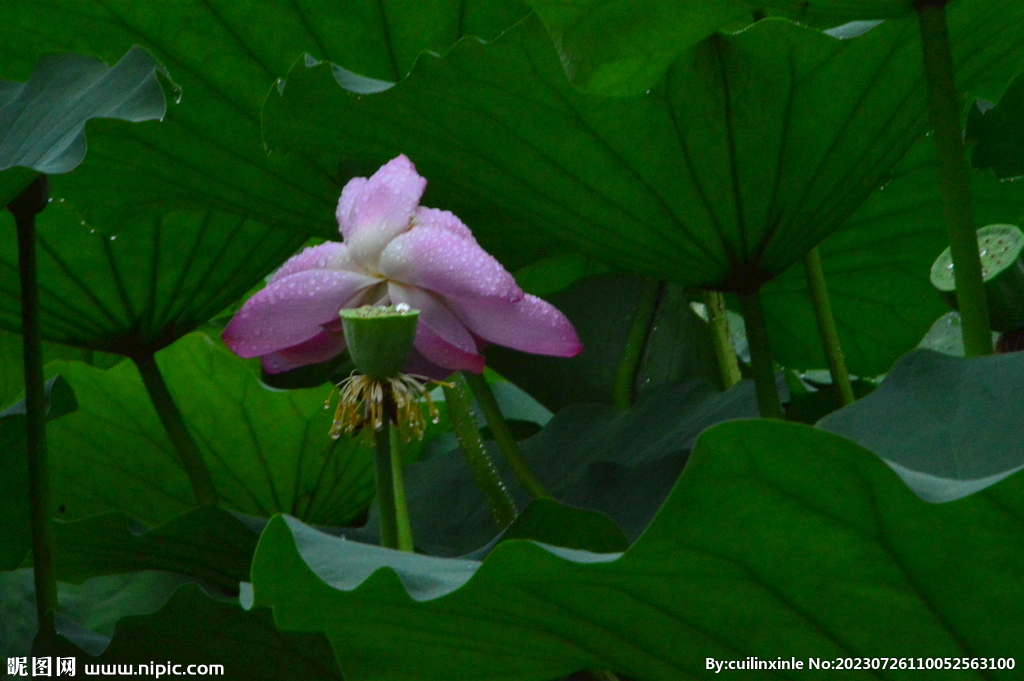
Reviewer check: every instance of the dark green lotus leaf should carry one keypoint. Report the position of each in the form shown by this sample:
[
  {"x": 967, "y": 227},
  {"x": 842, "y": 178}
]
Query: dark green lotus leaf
[
  {"x": 137, "y": 291},
  {"x": 604, "y": 310},
  {"x": 14, "y": 488},
  {"x": 877, "y": 270},
  {"x": 727, "y": 172},
  {"x": 224, "y": 56},
  {"x": 193, "y": 629},
  {"x": 12, "y": 380},
  {"x": 268, "y": 451},
  {"x": 590, "y": 456},
  {"x": 13, "y": 181},
  {"x": 207, "y": 544},
  {"x": 552, "y": 522},
  {"x": 87, "y": 612},
  {"x": 944, "y": 424},
  {"x": 624, "y": 47},
  {"x": 779, "y": 539},
  {"x": 556, "y": 273},
  {"x": 201, "y": 176},
  {"x": 835, "y": 12},
  {"x": 151, "y": 618},
  {"x": 998, "y": 133}
]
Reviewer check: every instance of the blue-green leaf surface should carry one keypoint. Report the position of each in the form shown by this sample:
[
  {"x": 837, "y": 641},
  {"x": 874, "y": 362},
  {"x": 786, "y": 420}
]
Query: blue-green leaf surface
[{"x": 945, "y": 424}]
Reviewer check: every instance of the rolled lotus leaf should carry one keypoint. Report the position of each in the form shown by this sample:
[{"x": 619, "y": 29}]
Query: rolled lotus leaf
[{"x": 1002, "y": 269}]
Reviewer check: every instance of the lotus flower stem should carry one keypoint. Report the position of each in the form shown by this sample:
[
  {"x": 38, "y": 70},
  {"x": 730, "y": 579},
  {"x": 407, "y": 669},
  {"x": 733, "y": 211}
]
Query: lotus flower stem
[
  {"x": 496, "y": 495},
  {"x": 760, "y": 356},
  {"x": 827, "y": 327},
  {"x": 954, "y": 178},
  {"x": 174, "y": 424},
  {"x": 503, "y": 436},
  {"x": 24, "y": 208},
  {"x": 384, "y": 476},
  {"x": 632, "y": 353},
  {"x": 403, "y": 528},
  {"x": 725, "y": 353}
]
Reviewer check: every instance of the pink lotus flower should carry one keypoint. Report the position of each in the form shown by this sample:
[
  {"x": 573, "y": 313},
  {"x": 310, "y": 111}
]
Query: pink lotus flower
[{"x": 396, "y": 251}]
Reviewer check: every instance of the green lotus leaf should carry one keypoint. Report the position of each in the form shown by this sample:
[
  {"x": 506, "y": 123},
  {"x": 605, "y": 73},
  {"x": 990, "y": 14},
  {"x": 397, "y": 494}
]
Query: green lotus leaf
[
  {"x": 191, "y": 628},
  {"x": 941, "y": 422},
  {"x": 12, "y": 381},
  {"x": 996, "y": 133},
  {"x": 604, "y": 311},
  {"x": 877, "y": 267},
  {"x": 624, "y": 47},
  {"x": 779, "y": 540},
  {"x": 739, "y": 161},
  {"x": 224, "y": 56},
  {"x": 15, "y": 540},
  {"x": 206, "y": 543},
  {"x": 42, "y": 120},
  {"x": 137, "y": 291},
  {"x": 557, "y": 524},
  {"x": 268, "y": 451},
  {"x": 591, "y": 456},
  {"x": 151, "y": 618}
]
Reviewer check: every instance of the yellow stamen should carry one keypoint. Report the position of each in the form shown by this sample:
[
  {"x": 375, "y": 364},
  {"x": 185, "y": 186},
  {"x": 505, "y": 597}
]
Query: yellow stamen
[{"x": 362, "y": 401}]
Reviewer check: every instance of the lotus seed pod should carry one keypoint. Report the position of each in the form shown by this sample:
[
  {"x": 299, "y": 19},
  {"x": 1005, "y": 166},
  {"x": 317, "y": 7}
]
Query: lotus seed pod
[
  {"x": 1002, "y": 270},
  {"x": 380, "y": 338}
]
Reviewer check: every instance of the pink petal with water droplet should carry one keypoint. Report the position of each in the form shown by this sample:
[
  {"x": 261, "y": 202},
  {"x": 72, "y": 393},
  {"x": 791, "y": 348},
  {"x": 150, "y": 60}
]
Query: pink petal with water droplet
[
  {"x": 441, "y": 353},
  {"x": 440, "y": 336},
  {"x": 531, "y": 325},
  {"x": 443, "y": 219},
  {"x": 441, "y": 262},
  {"x": 319, "y": 348},
  {"x": 332, "y": 255},
  {"x": 292, "y": 310},
  {"x": 372, "y": 212}
]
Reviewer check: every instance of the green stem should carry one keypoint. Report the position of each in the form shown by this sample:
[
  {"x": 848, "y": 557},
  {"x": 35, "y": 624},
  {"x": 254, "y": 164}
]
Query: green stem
[
  {"x": 827, "y": 327},
  {"x": 24, "y": 208},
  {"x": 485, "y": 474},
  {"x": 402, "y": 525},
  {"x": 385, "y": 479},
  {"x": 174, "y": 423},
  {"x": 725, "y": 353},
  {"x": 954, "y": 176},
  {"x": 633, "y": 352},
  {"x": 503, "y": 436},
  {"x": 760, "y": 356}
]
